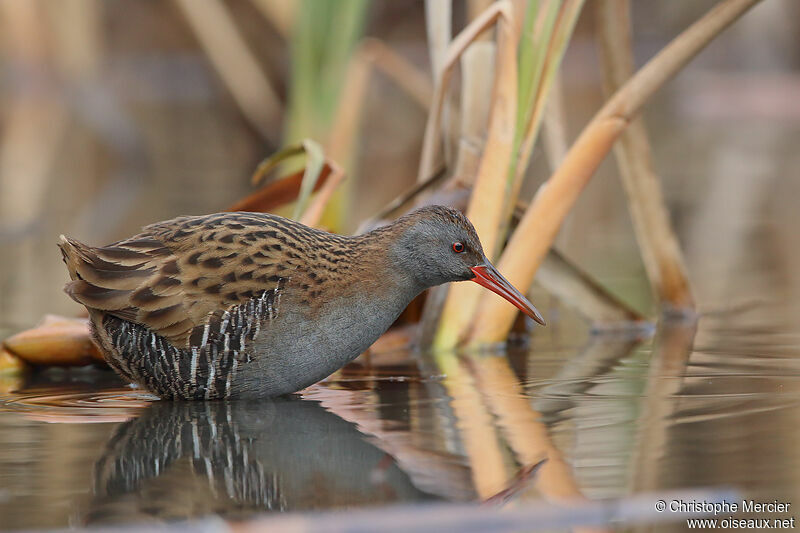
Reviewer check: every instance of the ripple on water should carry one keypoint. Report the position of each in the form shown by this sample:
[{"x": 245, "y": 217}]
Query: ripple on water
[{"x": 79, "y": 406}]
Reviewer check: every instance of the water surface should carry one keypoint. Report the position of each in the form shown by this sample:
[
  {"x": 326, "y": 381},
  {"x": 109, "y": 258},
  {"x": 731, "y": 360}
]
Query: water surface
[{"x": 707, "y": 406}]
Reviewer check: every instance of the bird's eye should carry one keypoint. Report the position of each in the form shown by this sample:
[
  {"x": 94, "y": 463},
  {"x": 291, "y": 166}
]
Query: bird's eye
[{"x": 458, "y": 247}]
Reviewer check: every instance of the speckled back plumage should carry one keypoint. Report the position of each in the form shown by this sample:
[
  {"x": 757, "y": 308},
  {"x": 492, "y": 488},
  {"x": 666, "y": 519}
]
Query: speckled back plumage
[
  {"x": 173, "y": 274},
  {"x": 179, "y": 307}
]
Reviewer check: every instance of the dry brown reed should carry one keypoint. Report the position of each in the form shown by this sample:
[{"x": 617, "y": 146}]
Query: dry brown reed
[
  {"x": 555, "y": 198},
  {"x": 661, "y": 253}
]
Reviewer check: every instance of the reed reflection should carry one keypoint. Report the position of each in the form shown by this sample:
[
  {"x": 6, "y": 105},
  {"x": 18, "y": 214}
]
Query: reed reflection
[
  {"x": 666, "y": 378},
  {"x": 495, "y": 416}
]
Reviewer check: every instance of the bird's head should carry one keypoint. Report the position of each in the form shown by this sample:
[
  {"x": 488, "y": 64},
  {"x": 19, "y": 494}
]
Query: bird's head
[{"x": 438, "y": 244}]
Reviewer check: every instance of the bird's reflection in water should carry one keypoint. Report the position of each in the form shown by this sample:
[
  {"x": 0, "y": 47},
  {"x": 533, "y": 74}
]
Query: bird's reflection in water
[{"x": 181, "y": 460}]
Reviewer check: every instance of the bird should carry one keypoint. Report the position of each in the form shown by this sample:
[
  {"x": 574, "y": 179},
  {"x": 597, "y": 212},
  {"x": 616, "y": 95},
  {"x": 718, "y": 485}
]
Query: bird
[{"x": 242, "y": 305}]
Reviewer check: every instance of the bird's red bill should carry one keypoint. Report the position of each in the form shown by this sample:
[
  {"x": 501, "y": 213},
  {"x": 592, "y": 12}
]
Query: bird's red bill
[{"x": 488, "y": 276}]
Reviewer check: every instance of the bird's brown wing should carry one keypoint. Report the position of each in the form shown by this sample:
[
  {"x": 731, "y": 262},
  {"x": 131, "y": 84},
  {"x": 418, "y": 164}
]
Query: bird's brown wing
[{"x": 175, "y": 274}]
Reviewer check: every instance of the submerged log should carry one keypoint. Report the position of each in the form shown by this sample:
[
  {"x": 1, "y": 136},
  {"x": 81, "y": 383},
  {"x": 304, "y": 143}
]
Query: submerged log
[{"x": 56, "y": 341}]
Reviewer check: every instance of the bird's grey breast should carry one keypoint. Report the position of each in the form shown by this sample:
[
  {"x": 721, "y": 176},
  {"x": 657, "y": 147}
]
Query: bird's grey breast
[{"x": 300, "y": 348}]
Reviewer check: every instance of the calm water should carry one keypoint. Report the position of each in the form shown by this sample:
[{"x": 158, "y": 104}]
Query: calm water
[{"x": 707, "y": 407}]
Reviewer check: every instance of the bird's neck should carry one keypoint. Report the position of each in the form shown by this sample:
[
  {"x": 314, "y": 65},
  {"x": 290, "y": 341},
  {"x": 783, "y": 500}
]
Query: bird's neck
[{"x": 378, "y": 268}]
